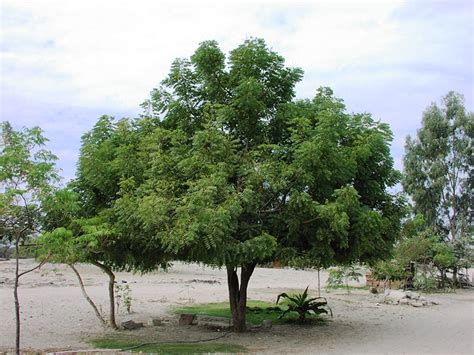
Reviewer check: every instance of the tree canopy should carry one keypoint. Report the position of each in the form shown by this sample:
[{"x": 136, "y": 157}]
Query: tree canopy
[
  {"x": 226, "y": 168},
  {"x": 236, "y": 172},
  {"x": 439, "y": 168}
]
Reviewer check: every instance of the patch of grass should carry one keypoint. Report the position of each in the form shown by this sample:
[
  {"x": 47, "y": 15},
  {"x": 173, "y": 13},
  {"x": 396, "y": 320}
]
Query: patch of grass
[
  {"x": 257, "y": 312},
  {"x": 170, "y": 348}
]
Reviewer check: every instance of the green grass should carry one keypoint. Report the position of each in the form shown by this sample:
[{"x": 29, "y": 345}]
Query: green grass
[
  {"x": 257, "y": 312},
  {"x": 171, "y": 348}
]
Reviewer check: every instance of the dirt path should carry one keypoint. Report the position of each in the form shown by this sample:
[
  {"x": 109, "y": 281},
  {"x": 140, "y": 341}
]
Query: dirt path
[{"x": 55, "y": 315}]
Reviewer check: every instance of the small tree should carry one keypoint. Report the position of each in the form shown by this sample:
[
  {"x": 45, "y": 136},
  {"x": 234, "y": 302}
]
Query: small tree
[{"x": 27, "y": 172}]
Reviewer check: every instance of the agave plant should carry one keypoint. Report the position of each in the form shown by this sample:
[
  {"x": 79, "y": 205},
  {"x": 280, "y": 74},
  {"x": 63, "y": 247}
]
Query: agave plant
[{"x": 304, "y": 305}]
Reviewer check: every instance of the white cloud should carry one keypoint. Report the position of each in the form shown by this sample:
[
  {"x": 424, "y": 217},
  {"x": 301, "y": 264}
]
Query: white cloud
[
  {"x": 64, "y": 63},
  {"x": 117, "y": 51}
]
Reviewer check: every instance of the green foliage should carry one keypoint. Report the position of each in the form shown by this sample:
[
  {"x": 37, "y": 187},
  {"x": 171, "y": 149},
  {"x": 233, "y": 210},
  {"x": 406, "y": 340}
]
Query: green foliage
[
  {"x": 389, "y": 270},
  {"x": 341, "y": 275},
  {"x": 304, "y": 305},
  {"x": 438, "y": 165},
  {"x": 424, "y": 282},
  {"x": 27, "y": 176},
  {"x": 226, "y": 168}
]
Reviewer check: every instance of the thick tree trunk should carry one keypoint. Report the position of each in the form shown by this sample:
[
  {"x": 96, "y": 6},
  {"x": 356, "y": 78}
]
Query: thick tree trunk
[
  {"x": 111, "y": 276},
  {"x": 238, "y": 294},
  {"x": 86, "y": 296}
]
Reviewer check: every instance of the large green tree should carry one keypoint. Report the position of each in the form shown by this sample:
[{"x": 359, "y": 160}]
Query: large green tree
[
  {"x": 27, "y": 176},
  {"x": 236, "y": 172},
  {"x": 439, "y": 170}
]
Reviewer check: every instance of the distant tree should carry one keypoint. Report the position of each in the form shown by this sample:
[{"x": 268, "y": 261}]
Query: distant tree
[
  {"x": 238, "y": 173},
  {"x": 27, "y": 175},
  {"x": 439, "y": 170}
]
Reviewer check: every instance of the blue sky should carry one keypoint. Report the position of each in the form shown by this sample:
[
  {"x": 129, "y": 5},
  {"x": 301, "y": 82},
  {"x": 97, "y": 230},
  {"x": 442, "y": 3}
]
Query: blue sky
[{"x": 65, "y": 63}]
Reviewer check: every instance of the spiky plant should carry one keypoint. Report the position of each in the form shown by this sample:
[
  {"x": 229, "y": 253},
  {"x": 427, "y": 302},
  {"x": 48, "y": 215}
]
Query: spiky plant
[{"x": 304, "y": 305}]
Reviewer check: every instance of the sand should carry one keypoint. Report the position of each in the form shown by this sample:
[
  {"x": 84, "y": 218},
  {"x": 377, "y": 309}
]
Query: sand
[{"x": 56, "y": 316}]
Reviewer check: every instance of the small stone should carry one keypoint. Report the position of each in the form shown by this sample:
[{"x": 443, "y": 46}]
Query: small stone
[
  {"x": 130, "y": 325},
  {"x": 434, "y": 303},
  {"x": 186, "y": 319},
  {"x": 155, "y": 322},
  {"x": 424, "y": 303},
  {"x": 404, "y": 301},
  {"x": 417, "y": 304},
  {"x": 267, "y": 324}
]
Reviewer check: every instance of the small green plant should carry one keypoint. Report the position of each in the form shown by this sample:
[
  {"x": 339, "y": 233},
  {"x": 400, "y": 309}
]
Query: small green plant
[
  {"x": 424, "y": 282},
  {"x": 340, "y": 276},
  {"x": 304, "y": 305},
  {"x": 123, "y": 296}
]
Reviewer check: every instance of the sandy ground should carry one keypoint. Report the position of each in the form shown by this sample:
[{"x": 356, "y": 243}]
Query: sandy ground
[{"x": 56, "y": 316}]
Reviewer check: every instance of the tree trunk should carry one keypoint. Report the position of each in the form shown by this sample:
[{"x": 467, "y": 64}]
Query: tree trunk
[
  {"x": 86, "y": 296},
  {"x": 238, "y": 294},
  {"x": 111, "y": 275},
  {"x": 319, "y": 282},
  {"x": 443, "y": 278},
  {"x": 455, "y": 277},
  {"x": 15, "y": 295}
]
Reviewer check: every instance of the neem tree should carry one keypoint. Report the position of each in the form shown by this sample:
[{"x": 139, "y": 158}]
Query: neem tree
[{"x": 237, "y": 173}]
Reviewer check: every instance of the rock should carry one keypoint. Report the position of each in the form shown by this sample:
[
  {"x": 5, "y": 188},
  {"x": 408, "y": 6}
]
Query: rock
[
  {"x": 391, "y": 296},
  {"x": 404, "y": 301},
  {"x": 214, "y": 322},
  {"x": 416, "y": 304},
  {"x": 130, "y": 325},
  {"x": 425, "y": 303},
  {"x": 267, "y": 324},
  {"x": 155, "y": 321},
  {"x": 186, "y": 319},
  {"x": 434, "y": 303},
  {"x": 412, "y": 295}
]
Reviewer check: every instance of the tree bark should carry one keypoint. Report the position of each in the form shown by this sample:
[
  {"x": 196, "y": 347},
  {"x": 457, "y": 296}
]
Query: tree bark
[
  {"x": 238, "y": 294},
  {"x": 15, "y": 288},
  {"x": 455, "y": 277},
  {"x": 86, "y": 296},
  {"x": 111, "y": 276},
  {"x": 15, "y": 295}
]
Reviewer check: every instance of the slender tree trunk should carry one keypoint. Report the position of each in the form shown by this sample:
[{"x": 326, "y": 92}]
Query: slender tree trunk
[
  {"x": 111, "y": 276},
  {"x": 19, "y": 274},
  {"x": 319, "y": 282},
  {"x": 443, "y": 278},
  {"x": 86, "y": 296},
  {"x": 238, "y": 294},
  {"x": 455, "y": 277},
  {"x": 15, "y": 295}
]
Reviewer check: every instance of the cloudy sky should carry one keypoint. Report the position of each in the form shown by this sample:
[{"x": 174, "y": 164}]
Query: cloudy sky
[{"x": 65, "y": 63}]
